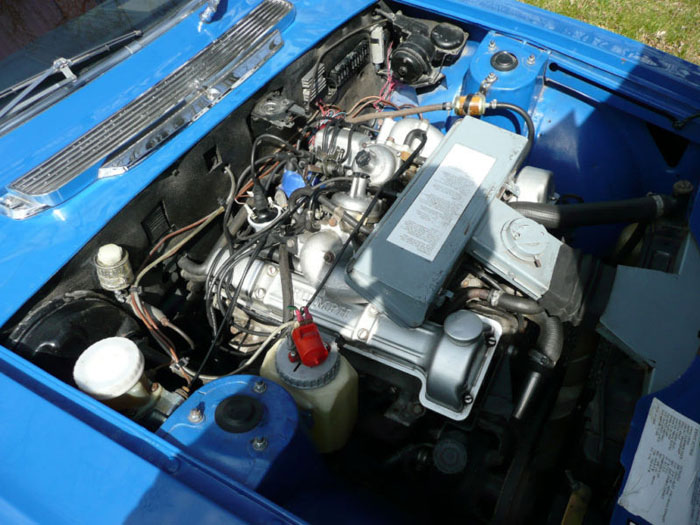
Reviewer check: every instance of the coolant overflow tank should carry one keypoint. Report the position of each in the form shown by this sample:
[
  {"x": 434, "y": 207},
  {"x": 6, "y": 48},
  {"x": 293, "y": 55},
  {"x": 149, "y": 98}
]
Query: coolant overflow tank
[
  {"x": 327, "y": 391},
  {"x": 247, "y": 428}
]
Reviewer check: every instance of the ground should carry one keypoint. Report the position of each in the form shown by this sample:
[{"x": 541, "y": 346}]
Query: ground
[{"x": 672, "y": 26}]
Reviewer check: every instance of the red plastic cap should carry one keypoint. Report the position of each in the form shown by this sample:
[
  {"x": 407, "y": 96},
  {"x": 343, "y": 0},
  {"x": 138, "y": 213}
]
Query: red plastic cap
[{"x": 310, "y": 347}]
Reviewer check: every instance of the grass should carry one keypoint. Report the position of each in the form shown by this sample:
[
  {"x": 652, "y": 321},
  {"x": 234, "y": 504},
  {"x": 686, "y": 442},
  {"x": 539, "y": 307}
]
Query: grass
[{"x": 672, "y": 26}]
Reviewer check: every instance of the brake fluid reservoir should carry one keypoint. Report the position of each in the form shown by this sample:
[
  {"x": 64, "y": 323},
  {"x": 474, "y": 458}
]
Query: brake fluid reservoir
[
  {"x": 111, "y": 370},
  {"x": 327, "y": 390}
]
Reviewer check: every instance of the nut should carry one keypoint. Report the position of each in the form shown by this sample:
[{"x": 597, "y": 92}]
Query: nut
[
  {"x": 195, "y": 416},
  {"x": 259, "y": 443},
  {"x": 260, "y": 386}
]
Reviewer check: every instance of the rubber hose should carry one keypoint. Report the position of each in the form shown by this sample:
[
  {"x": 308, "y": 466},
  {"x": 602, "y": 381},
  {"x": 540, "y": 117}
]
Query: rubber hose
[
  {"x": 528, "y": 123},
  {"x": 551, "y": 339},
  {"x": 519, "y": 305},
  {"x": 551, "y": 344},
  {"x": 498, "y": 299},
  {"x": 558, "y": 216}
]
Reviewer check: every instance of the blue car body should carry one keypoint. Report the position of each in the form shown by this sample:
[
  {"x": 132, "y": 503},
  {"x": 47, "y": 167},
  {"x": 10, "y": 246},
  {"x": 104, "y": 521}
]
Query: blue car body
[{"x": 67, "y": 458}]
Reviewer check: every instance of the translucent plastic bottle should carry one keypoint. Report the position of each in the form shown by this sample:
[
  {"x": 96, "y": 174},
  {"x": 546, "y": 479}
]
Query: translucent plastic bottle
[{"x": 332, "y": 400}]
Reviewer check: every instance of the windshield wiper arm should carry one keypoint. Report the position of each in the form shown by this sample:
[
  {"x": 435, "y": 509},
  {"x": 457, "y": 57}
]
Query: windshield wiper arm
[{"x": 60, "y": 65}]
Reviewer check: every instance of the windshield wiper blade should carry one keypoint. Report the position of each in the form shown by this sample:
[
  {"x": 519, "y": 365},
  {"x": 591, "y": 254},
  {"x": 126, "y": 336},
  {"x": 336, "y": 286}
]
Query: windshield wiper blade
[{"x": 60, "y": 65}]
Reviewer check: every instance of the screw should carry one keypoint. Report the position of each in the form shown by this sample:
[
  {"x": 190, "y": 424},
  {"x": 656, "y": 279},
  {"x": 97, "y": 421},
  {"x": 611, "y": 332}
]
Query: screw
[
  {"x": 272, "y": 270},
  {"x": 363, "y": 334},
  {"x": 260, "y": 293},
  {"x": 260, "y": 386},
  {"x": 530, "y": 60},
  {"x": 259, "y": 443},
  {"x": 373, "y": 310},
  {"x": 417, "y": 409},
  {"x": 491, "y": 77},
  {"x": 195, "y": 416},
  {"x": 492, "y": 45},
  {"x": 332, "y": 222},
  {"x": 468, "y": 399},
  {"x": 329, "y": 257}
]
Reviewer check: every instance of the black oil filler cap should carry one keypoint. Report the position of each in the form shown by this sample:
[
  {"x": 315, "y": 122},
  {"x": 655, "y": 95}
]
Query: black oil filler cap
[{"x": 239, "y": 414}]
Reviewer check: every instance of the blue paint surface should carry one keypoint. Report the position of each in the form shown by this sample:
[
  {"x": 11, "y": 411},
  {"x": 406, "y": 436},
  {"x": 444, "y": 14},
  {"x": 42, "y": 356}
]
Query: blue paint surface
[
  {"x": 68, "y": 458},
  {"x": 267, "y": 470}
]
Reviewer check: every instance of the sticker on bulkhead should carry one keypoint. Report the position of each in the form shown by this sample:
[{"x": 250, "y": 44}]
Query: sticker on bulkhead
[
  {"x": 663, "y": 485},
  {"x": 429, "y": 220}
]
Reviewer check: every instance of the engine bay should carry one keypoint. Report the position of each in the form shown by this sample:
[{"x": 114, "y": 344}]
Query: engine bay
[{"x": 363, "y": 274}]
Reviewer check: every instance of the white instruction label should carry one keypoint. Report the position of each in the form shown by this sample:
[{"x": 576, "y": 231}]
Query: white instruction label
[
  {"x": 663, "y": 485},
  {"x": 429, "y": 220}
]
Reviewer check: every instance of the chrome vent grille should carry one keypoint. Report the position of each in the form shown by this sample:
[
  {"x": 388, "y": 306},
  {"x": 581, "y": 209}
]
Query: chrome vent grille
[{"x": 155, "y": 115}]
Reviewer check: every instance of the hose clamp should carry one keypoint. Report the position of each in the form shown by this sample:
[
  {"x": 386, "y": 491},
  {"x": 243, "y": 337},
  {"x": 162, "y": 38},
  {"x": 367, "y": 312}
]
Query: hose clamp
[{"x": 660, "y": 205}]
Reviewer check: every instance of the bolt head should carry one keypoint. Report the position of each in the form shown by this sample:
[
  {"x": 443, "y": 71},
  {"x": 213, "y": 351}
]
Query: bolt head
[
  {"x": 363, "y": 334},
  {"x": 260, "y": 293},
  {"x": 468, "y": 399},
  {"x": 272, "y": 270},
  {"x": 260, "y": 386},
  {"x": 195, "y": 416},
  {"x": 259, "y": 443}
]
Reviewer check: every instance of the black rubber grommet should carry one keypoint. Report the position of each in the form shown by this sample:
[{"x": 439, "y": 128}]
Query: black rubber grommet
[{"x": 239, "y": 414}]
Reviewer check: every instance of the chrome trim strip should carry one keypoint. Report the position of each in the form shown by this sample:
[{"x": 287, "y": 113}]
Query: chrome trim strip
[{"x": 136, "y": 130}]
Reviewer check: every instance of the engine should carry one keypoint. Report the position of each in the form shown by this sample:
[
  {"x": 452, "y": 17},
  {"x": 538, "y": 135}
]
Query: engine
[{"x": 373, "y": 293}]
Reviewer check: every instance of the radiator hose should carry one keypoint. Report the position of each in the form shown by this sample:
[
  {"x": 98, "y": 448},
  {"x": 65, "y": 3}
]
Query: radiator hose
[
  {"x": 561, "y": 216},
  {"x": 543, "y": 359},
  {"x": 497, "y": 299}
]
